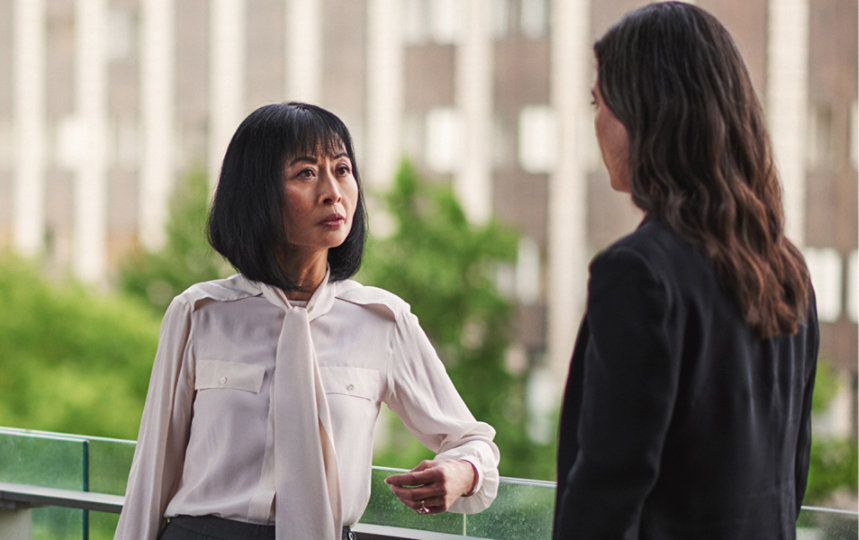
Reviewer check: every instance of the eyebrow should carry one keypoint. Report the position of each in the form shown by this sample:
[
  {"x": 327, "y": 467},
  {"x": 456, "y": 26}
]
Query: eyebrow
[{"x": 312, "y": 159}]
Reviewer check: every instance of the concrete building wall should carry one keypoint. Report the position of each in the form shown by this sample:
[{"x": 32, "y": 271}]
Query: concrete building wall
[
  {"x": 410, "y": 77},
  {"x": 831, "y": 189}
]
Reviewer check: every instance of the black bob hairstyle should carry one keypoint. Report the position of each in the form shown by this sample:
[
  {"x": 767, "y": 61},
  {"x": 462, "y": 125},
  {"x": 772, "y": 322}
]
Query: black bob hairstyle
[{"x": 246, "y": 223}]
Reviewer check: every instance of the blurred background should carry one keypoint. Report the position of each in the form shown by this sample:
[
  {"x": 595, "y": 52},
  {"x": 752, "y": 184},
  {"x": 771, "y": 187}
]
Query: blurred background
[{"x": 486, "y": 192}]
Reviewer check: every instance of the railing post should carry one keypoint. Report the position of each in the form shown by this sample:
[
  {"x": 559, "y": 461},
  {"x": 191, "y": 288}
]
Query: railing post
[
  {"x": 85, "y": 470},
  {"x": 16, "y": 523}
]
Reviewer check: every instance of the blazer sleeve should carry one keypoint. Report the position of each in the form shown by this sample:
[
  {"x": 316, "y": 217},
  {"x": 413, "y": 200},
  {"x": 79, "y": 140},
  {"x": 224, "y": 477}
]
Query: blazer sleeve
[
  {"x": 631, "y": 374},
  {"x": 423, "y": 396},
  {"x": 803, "y": 444},
  {"x": 164, "y": 428}
]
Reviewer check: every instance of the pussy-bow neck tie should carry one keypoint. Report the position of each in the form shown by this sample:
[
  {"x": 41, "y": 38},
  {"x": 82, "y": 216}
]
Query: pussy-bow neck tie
[{"x": 307, "y": 484}]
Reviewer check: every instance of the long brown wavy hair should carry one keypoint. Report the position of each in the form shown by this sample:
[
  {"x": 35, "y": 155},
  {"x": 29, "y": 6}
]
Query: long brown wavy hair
[{"x": 700, "y": 156}]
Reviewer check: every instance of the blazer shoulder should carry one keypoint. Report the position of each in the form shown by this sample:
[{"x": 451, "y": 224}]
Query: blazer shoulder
[
  {"x": 651, "y": 234},
  {"x": 659, "y": 247}
]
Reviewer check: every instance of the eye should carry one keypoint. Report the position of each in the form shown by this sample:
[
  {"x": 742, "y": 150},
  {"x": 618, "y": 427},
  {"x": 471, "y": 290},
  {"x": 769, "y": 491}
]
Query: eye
[
  {"x": 306, "y": 173},
  {"x": 344, "y": 169}
]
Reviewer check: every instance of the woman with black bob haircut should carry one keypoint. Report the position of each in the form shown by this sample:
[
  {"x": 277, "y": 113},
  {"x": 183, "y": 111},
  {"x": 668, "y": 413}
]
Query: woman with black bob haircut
[
  {"x": 246, "y": 218},
  {"x": 687, "y": 409},
  {"x": 265, "y": 389}
]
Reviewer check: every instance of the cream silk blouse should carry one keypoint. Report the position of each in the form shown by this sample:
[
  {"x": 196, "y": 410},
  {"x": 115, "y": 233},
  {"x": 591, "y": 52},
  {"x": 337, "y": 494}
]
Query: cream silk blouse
[{"x": 209, "y": 443}]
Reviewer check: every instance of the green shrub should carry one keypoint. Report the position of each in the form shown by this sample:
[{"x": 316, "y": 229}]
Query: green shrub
[{"x": 73, "y": 360}]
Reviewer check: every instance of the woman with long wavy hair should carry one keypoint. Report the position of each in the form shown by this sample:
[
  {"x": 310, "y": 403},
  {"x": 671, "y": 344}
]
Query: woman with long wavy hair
[{"x": 687, "y": 409}]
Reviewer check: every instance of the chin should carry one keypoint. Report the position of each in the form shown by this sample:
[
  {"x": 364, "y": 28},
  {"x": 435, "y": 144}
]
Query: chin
[
  {"x": 621, "y": 185},
  {"x": 338, "y": 242}
]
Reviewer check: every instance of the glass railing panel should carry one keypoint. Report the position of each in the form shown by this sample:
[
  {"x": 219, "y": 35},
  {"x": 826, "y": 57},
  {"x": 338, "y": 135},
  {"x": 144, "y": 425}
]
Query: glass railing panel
[
  {"x": 523, "y": 508},
  {"x": 41, "y": 459},
  {"x": 69, "y": 462},
  {"x": 110, "y": 461},
  {"x": 827, "y": 524},
  {"x": 47, "y": 460},
  {"x": 385, "y": 509}
]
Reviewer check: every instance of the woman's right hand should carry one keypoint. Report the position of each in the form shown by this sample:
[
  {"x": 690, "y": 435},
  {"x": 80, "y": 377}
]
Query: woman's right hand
[{"x": 434, "y": 485}]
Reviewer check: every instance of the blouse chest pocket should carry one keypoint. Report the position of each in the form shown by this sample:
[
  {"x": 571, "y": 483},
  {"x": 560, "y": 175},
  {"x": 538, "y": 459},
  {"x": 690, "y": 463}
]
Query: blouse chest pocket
[
  {"x": 352, "y": 381},
  {"x": 232, "y": 375}
]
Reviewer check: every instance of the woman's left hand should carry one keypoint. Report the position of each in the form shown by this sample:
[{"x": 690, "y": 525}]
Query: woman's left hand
[{"x": 434, "y": 485}]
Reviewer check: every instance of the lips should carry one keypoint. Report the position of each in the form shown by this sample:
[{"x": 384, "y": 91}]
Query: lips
[{"x": 333, "y": 220}]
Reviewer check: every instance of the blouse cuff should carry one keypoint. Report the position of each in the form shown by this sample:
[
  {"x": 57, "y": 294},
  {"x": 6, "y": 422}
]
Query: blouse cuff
[{"x": 478, "y": 477}]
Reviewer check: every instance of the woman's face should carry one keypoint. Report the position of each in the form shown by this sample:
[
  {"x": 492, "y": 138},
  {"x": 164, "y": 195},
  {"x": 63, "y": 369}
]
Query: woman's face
[
  {"x": 321, "y": 195},
  {"x": 614, "y": 144}
]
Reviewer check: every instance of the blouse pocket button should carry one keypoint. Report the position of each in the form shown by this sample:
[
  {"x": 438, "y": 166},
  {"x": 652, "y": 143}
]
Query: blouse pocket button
[
  {"x": 222, "y": 380},
  {"x": 350, "y": 387}
]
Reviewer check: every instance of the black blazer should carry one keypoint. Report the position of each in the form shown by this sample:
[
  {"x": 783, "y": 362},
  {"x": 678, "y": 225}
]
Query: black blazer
[{"x": 678, "y": 422}]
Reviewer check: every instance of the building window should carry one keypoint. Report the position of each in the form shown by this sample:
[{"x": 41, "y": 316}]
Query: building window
[
  {"x": 528, "y": 271},
  {"x": 8, "y": 144},
  {"x": 824, "y": 264},
  {"x": 500, "y": 19},
  {"x": 503, "y": 145},
  {"x": 538, "y": 136},
  {"x": 852, "y": 140},
  {"x": 413, "y": 134},
  {"x": 534, "y": 18},
  {"x": 443, "y": 139},
  {"x": 542, "y": 402},
  {"x": 821, "y": 152},
  {"x": 588, "y": 146},
  {"x": 446, "y": 19},
  {"x": 414, "y": 21},
  {"x": 121, "y": 34},
  {"x": 852, "y": 307},
  {"x": 439, "y": 21},
  {"x": 126, "y": 144},
  {"x": 71, "y": 142}
]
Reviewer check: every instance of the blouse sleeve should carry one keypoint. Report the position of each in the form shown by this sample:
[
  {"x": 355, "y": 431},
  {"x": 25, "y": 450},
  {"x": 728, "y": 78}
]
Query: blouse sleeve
[
  {"x": 423, "y": 396},
  {"x": 164, "y": 427}
]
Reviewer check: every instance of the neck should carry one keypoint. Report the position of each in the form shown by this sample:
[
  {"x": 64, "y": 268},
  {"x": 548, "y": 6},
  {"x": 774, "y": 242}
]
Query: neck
[{"x": 306, "y": 270}]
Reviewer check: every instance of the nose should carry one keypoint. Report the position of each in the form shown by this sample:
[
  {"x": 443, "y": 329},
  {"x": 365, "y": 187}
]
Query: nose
[{"x": 329, "y": 190}]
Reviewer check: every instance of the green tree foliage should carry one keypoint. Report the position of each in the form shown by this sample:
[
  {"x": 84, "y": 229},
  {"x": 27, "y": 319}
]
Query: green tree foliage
[
  {"x": 72, "y": 360},
  {"x": 833, "y": 468},
  {"x": 186, "y": 257},
  {"x": 76, "y": 361},
  {"x": 445, "y": 267},
  {"x": 834, "y": 462}
]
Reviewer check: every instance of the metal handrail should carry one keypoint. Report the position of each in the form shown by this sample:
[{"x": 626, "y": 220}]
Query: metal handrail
[
  {"x": 15, "y": 496},
  {"x": 24, "y": 494}
]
